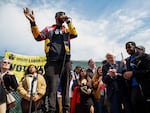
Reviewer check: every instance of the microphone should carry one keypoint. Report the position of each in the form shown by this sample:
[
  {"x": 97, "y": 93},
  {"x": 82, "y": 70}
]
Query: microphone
[{"x": 34, "y": 79}]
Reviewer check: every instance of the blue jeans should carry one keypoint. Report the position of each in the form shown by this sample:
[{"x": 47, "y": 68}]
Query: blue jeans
[
  {"x": 115, "y": 103},
  {"x": 99, "y": 105}
]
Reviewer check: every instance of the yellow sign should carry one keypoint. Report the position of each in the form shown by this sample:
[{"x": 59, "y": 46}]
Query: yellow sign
[{"x": 21, "y": 62}]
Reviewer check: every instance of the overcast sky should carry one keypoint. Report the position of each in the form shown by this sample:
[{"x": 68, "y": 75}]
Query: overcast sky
[{"x": 102, "y": 25}]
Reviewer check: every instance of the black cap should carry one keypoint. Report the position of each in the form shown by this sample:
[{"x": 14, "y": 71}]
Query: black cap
[
  {"x": 131, "y": 43},
  {"x": 59, "y": 14}
]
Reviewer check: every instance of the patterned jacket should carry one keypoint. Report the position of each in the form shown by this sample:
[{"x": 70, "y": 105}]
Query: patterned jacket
[{"x": 56, "y": 38}]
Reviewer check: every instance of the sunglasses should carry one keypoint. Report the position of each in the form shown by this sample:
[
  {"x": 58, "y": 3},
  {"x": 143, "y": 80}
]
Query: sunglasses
[
  {"x": 82, "y": 70},
  {"x": 5, "y": 62}
]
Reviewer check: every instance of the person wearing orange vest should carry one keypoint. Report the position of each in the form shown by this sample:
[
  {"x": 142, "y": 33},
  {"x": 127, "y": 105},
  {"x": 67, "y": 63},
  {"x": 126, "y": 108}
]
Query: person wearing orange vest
[{"x": 57, "y": 48}]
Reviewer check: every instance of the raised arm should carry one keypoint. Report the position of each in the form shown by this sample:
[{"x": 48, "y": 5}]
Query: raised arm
[
  {"x": 71, "y": 29},
  {"x": 35, "y": 31},
  {"x": 29, "y": 14}
]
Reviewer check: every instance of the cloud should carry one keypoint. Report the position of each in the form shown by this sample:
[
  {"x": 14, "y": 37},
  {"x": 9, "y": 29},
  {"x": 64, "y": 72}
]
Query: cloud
[
  {"x": 16, "y": 35},
  {"x": 107, "y": 33}
]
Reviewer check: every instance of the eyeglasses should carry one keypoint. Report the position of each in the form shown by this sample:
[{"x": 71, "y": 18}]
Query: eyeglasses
[{"x": 5, "y": 62}]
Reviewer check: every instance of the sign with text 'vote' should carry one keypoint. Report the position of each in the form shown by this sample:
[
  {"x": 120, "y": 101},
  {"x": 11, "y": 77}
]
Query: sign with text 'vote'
[{"x": 19, "y": 63}]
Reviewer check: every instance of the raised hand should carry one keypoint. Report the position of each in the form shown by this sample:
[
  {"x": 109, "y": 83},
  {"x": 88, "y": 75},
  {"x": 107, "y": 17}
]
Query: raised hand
[{"x": 29, "y": 15}]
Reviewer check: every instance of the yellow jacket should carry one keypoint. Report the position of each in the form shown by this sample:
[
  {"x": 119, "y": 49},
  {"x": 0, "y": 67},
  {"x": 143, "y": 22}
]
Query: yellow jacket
[{"x": 46, "y": 34}]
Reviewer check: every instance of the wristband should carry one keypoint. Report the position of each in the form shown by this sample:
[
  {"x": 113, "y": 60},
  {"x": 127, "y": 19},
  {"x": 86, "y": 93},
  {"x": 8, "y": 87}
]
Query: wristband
[{"x": 32, "y": 23}]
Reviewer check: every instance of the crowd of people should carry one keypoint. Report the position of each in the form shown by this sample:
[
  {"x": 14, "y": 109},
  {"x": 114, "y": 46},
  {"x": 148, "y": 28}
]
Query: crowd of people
[{"x": 113, "y": 87}]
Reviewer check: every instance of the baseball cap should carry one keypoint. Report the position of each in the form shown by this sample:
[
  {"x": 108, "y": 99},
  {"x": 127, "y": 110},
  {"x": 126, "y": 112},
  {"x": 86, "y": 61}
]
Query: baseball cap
[
  {"x": 59, "y": 13},
  {"x": 131, "y": 43}
]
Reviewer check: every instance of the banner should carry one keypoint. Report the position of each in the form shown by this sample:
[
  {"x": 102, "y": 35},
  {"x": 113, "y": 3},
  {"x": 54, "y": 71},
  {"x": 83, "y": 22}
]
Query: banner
[{"x": 21, "y": 62}]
